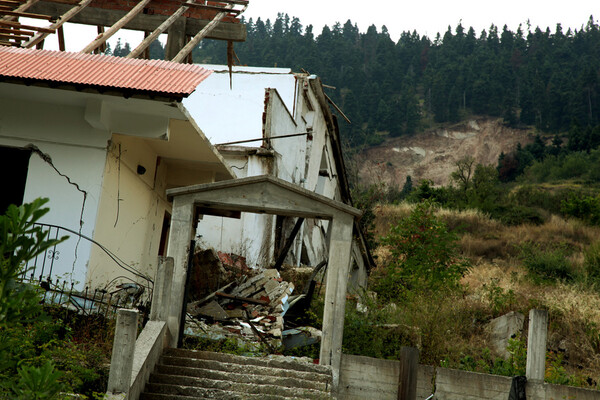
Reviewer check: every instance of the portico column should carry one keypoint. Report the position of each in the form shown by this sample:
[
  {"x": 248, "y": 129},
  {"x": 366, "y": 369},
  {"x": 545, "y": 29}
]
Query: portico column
[
  {"x": 340, "y": 249},
  {"x": 182, "y": 231}
]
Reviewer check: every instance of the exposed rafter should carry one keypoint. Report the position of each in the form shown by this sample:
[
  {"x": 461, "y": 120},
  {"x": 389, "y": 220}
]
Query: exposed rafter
[
  {"x": 103, "y": 37},
  {"x": 58, "y": 24},
  {"x": 156, "y": 33},
  {"x": 187, "y": 49}
]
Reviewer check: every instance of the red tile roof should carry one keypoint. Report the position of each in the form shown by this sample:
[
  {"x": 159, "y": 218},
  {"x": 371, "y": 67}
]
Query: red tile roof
[{"x": 102, "y": 71}]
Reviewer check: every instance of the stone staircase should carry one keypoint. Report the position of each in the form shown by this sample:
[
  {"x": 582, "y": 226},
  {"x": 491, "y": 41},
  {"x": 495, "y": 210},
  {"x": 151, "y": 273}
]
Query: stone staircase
[{"x": 188, "y": 374}]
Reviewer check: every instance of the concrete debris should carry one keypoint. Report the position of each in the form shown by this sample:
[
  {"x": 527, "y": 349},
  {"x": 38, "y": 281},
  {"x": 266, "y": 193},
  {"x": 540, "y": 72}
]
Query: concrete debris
[
  {"x": 502, "y": 329},
  {"x": 212, "y": 269},
  {"x": 252, "y": 310},
  {"x": 302, "y": 336}
]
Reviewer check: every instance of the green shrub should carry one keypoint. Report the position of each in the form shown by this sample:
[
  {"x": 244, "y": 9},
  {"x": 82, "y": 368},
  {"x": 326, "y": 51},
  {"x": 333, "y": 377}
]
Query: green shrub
[
  {"x": 425, "y": 256},
  {"x": 592, "y": 262},
  {"x": 547, "y": 265},
  {"x": 539, "y": 197},
  {"x": 583, "y": 207},
  {"x": 514, "y": 215},
  {"x": 38, "y": 383},
  {"x": 500, "y": 300}
]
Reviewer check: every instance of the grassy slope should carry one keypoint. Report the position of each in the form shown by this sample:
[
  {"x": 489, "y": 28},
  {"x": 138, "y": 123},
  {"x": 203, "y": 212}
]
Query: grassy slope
[{"x": 454, "y": 331}]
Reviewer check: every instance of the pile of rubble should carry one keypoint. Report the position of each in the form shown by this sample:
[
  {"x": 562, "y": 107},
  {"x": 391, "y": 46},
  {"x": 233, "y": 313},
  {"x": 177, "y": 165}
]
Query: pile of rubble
[{"x": 248, "y": 305}]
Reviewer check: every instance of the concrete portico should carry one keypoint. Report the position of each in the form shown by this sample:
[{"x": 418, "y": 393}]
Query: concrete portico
[{"x": 268, "y": 195}]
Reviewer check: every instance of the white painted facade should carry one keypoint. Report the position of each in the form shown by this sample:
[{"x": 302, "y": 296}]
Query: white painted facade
[{"x": 87, "y": 150}]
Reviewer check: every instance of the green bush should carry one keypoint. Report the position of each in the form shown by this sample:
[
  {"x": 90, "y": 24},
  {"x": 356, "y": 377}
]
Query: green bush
[
  {"x": 592, "y": 262},
  {"x": 513, "y": 215},
  {"x": 32, "y": 345},
  {"x": 583, "y": 207},
  {"x": 425, "y": 256},
  {"x": 547, "y": 265},
  {"x": 539, "y": 197}
]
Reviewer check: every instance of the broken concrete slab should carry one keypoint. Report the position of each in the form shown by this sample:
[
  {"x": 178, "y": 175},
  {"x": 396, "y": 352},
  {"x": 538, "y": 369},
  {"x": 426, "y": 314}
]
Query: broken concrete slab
[
  {"x": 212, "y": 310},
  {"x": 502, "y": 329}
]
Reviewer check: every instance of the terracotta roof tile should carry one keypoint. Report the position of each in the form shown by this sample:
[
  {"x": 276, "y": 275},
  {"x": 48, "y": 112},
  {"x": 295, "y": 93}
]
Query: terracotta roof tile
[{"x": 99, "y": 70}]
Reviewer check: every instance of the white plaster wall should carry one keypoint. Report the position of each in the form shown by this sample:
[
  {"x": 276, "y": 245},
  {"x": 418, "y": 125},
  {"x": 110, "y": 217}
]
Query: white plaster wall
[
  {"x": 291, "y": 152},
  {"x": 67, "y": 205},
  {"x": 35, "y": 116},
  {"x": 227, "y": 115},
  {"x": 249, "y": 236},
  {"x": 131, "y": 213}
]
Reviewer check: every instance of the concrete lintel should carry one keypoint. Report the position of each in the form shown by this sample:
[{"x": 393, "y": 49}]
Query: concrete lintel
[{"x": 259, "y": 193}]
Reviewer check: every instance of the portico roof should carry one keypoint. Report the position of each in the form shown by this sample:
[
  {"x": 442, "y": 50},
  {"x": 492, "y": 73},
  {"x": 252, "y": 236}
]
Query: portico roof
[{"x": 264, "y": 194}]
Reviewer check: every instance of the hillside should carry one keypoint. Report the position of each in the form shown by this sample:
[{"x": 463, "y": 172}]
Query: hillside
[
  {"x": 512, "y": 269},
  {"x": 433, "y": 154}
]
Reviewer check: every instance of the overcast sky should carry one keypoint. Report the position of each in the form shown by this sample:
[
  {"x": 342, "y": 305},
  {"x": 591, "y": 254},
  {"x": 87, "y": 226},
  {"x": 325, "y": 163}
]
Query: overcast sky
[{"x": 428, "y": 17}]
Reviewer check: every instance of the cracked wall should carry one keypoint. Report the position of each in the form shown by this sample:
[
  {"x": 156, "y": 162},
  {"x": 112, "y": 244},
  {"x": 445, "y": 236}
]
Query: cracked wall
[
  {"x": 131, "y": 212},
  {"x": 65, "y": 142}
]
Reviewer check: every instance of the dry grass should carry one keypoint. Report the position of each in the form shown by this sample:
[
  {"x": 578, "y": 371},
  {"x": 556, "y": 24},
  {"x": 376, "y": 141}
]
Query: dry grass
[
  {"x": 493, "y": 248},
  {"x": 574, "y": 312}
]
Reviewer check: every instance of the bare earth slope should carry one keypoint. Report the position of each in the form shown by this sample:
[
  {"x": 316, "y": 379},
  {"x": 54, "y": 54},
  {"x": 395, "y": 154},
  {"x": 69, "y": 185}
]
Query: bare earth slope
[{"x": 433, "y": 154}]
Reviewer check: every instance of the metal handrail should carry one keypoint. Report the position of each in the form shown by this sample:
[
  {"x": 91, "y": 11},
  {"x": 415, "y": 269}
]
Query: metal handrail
[{"x": 113, "y": 256}]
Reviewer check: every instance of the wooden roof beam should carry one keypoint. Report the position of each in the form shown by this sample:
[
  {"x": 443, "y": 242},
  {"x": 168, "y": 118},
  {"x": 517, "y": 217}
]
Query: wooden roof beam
[
  {"x": 144, "y": 22},
  {"x": 240, "y": 2},
  {"x": 26, "y": 15},
  {"x": 58, "y": 24},
  {"x": 103, "y": 37},
  {"x": 28, "y": 27},
  {"x": 16, "y": 32},
  {"x": 156, "y": 33},
  {"x": 213, "y": 8},
  {"x": 187, "y": 49},
  {"x": 21, "y": 8}
]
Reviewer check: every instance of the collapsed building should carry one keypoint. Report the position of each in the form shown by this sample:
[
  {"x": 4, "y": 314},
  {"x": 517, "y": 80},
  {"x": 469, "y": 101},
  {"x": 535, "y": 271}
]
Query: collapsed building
[
  {"x": 122, "y": 148},
  {"x": 283, "y": 126}
]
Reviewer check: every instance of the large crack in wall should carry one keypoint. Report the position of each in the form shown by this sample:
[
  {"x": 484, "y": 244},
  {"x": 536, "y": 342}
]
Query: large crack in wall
[{"x": 48, "y": 160}]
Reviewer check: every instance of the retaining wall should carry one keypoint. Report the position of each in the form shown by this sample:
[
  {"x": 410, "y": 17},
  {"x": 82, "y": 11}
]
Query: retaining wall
[{"x": 371, "y": 378}]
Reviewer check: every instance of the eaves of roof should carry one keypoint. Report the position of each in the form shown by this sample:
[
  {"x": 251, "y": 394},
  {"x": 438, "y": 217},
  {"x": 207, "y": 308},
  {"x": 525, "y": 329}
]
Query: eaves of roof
[{"x": 99, "y": 71}]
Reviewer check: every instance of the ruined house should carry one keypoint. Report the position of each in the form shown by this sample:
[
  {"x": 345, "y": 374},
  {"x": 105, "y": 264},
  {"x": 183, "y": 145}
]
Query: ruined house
[
  {"x": 103, "y": 138},
  {"x": 282, "y": 126}
]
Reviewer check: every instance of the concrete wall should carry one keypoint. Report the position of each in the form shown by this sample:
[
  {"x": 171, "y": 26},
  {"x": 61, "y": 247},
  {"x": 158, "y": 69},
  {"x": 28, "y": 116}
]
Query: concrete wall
[
  {"x": 371, "y": 378},
  {"x": 251, "y": 234},
  {"x": 227, "y": 115},
  {"x": 461, "y": 385},
  {"x": 67, "y": 143},
  {"x": 131, "y": 213}
]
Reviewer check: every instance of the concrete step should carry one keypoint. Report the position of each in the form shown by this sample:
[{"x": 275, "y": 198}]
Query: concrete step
[
  {"x": 212, "y": 394},
  {"x": 189, "y": 384},
  {"x": 281, "y": 362},
  {"x": 220, "y": 366},
  {"x": 307, "y": 380},
  {"x": 224, "y": 390}
]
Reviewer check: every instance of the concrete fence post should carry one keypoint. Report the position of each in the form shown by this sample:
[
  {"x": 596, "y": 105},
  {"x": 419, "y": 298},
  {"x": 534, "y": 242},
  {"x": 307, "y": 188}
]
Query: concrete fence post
[
  {"x": 536, "y": 345},
  {"x": 407, "y": 379},
  {"x": 121, "y": 362},
  {"x": 161, "y": 296}
]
